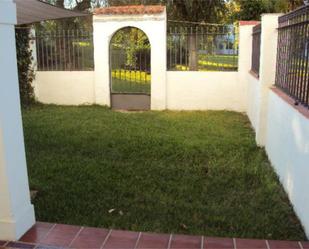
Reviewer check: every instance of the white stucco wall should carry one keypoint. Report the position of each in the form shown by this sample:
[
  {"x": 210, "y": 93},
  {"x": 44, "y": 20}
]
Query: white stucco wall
[
  {"x": 169, "y": 90},
  {"x": 204, "y": 91},
  {"x": 287, "y": 145},
  {"x": 253, "y": 100},
  {"x": 16, "y": 210},
  {"x": 279, "y": 126},
  {"x": 268, "y": 58},
  {"x": 154, "y": 26},
  {"x": 244, "y": 58},
  {"x": 65, "y": 88}
]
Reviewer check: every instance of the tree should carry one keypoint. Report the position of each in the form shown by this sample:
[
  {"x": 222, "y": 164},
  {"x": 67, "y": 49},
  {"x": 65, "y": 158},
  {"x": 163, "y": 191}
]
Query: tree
[
  {"x": 252, "y": 10},
  {"x": 196, "y": 11},
  {"x": 208, "y": 11}
]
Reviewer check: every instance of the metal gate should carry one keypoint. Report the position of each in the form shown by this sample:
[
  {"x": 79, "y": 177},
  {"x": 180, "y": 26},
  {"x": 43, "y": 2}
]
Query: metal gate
[{"x": 130, "y": 70}]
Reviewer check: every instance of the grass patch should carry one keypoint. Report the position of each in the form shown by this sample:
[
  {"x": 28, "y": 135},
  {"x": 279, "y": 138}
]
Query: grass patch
[
  {"x": 213, "y": 63},
  {"x": 124, "y": 81},
  {"x": 180, "y": 172}
]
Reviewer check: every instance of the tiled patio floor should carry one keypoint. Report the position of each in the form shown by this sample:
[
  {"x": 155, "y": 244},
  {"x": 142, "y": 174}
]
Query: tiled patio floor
[{"x": 56, "y": 236}]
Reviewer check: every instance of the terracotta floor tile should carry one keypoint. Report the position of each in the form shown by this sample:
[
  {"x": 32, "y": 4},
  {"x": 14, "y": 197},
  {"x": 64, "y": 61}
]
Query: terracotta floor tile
[
  {"x": 48, "y": 247},
  {"x": 19, "y": 245},
  {"x": 50, "y": 236},
  {"x": 153, "y": 241},
  {"x": 121, "y": 240},
  {"x": 90, "y": 238},
  {"x": 250, "y": 244},
  {"x": 305, "y": 245},
  {"x": 218, "y": 243},
  {"x": 37, "y": 232},
  {"x": 186, "y": 241},
  {"x": 61, "y": 235},
  {"x": 273, "y": 244}
]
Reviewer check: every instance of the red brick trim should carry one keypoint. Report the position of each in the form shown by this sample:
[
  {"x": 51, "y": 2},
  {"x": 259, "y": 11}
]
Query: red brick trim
[
  {"x": 244, "y": 23},
  {"x": 254, "y": 74},
  {"x": 130, "y": 10},
  {"x": 299, "y": 107}
]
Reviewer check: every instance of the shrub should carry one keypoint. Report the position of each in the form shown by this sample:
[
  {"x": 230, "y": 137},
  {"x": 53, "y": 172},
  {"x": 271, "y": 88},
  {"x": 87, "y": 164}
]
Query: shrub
[{"x": 24, "y": 61}]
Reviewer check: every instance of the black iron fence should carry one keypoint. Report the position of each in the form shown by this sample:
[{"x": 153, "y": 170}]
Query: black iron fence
[
  {"x": 202, "y": 47},
  {"x": 293, "y": 55},
  {"x": 256, "y": 49},
  {"x": 198, "y": 47},
  {"x": 130, "y": 61},
  {"x": 65, "y": 50}
]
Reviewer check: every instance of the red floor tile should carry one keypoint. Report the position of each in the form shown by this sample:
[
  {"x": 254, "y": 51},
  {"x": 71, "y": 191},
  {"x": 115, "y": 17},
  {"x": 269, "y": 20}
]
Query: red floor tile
[
  {"x": 61, "y": 235},
  {"x": 185, "y": 241},
  {"x": 48, "y": 247},
  {"x": 153, "y": 241},
  {"x": 50, "y": 236},
  {"x": 19, "y": 245},
  {"x": 218, "y": 243},
  {"x": 250, "y": 244},
  {"x": 37, "y": 232},
  {"x": 305, "y": 245},
  {"x": 273, "y": 244},
  {"x": 121, "y": 240},
  {"x": 90, "y": 238}
]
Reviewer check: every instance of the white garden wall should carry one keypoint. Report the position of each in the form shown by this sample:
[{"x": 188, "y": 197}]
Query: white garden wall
[
  {"x": 65, "y": 88},
  {"x": 253, "y": 100},
  {"x": 280, "y": 126},
  {"x": 287, "y": 146},
  {"x": 205, "y": 91},
  {"x": 169, "y": 90}
]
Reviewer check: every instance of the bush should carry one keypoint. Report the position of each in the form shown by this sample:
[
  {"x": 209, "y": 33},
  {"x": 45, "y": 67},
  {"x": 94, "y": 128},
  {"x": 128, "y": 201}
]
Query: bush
[{"x": 24, "y": 61}]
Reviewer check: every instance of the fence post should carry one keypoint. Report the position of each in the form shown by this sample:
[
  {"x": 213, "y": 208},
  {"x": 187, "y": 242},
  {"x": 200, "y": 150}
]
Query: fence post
[
  {"x": 245, "y": 50},
  {"x": 16, "y": 211},
  {"x": 269, "y": 41}
]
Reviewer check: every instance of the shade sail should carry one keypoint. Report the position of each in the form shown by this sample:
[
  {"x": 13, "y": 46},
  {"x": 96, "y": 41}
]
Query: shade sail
[{"x": 32, "y": 11}]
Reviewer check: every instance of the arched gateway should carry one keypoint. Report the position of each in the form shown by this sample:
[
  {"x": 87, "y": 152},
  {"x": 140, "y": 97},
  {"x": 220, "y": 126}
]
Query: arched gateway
[
  {"x": 130, "y": 52},
  {"x": 130, "y": 71}
]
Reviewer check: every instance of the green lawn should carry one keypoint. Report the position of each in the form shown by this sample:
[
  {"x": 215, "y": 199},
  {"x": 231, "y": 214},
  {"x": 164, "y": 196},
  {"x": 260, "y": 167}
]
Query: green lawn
[
  {"x": 127, "y": 86},
  {"x": 215, "y": 63},
  {"x": 180, "y": 172}
]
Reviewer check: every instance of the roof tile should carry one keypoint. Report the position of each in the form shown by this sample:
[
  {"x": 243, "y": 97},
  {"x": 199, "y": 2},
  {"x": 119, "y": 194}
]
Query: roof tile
[{"x": 130, "y": 10}]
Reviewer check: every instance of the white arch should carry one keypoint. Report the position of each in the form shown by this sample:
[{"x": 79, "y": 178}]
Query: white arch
[
  {"x": 154, "y": 26},
  {"x": 109, "y": 46}
]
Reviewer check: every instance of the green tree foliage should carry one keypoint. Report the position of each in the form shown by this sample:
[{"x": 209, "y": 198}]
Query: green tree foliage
[
  {"x": 131, "y": 40},
  {"x": 252, "y": 10},
  {"x": 24, "y": 62},
  {"x": 184, "y": 10}
]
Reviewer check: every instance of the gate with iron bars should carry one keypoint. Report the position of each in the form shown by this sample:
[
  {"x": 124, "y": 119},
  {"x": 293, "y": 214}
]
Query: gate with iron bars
[{"x": 130, "y": 70}]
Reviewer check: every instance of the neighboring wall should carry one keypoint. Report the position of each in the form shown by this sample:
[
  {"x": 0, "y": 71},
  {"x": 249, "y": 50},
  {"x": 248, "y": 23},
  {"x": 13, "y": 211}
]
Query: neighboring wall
[
  {"x": 205, "y": 91},
  {"x": 253, "y": 96},
  {"x": 186, "y": 90},
  {"x": 213, "y": 90},
  {"x": 288, "y": 149},
  {"x": 280, "y": 126},
  {"x": 65, "y": 88}
]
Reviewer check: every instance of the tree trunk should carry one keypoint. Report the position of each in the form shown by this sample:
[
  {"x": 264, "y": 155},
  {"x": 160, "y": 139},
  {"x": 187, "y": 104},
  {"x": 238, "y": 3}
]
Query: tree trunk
[{"x": 193, "y": 56}]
